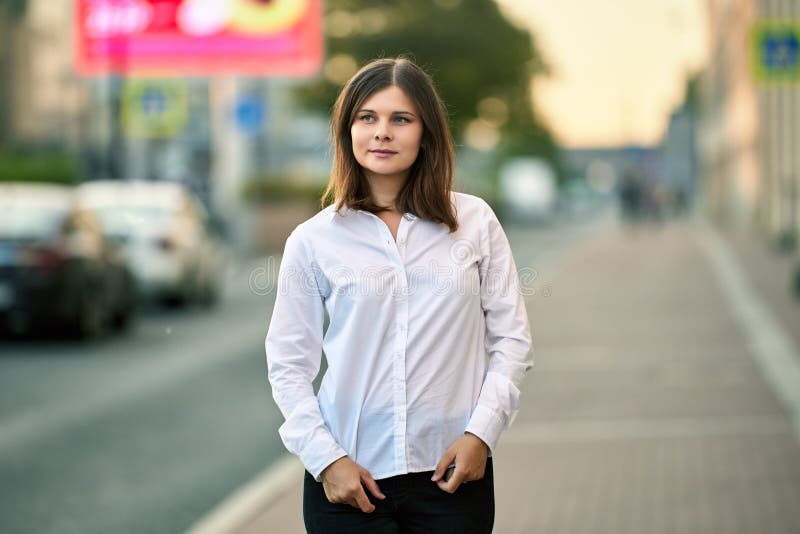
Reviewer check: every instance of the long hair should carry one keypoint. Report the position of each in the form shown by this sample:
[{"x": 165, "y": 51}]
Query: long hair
[{"x": 426, "y": 192}]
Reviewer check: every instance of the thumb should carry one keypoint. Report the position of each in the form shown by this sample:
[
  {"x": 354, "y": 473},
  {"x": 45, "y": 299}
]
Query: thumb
[{"x": 444, "y": 463}]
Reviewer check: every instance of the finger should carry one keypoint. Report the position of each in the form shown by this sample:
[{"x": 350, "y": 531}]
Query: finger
[
  {"x": 363, "y": 502},
  {"x": 444, "y": 463},
  {"x": 455, "y": 481},
  {"x": 371, "y": 485}
]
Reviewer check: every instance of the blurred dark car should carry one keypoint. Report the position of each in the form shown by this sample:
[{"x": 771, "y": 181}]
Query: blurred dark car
[{"x": 58, "y": 272}]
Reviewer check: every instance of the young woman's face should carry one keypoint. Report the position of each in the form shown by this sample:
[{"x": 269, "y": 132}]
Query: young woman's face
[{"x": 386, "y": 134}]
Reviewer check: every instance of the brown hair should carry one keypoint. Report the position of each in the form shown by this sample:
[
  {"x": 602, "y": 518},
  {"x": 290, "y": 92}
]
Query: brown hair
[{"x": 426, "y": 192}]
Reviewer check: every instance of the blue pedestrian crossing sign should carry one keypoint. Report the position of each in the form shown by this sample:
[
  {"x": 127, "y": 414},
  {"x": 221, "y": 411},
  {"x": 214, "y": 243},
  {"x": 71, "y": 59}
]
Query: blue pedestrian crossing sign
[
  {"x": 249, "y": 114},
  {"x": 154, "y": 108},
  {"x": 775, "y": 51}
]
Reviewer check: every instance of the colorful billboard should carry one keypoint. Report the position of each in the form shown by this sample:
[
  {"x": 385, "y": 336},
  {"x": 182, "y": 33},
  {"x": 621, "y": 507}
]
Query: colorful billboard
[{"x": 199, "y": 37}]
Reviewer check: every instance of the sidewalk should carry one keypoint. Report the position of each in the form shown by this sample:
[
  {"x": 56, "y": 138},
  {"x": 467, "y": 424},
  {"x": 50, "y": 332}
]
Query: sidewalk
[{"x": 647, "y": 410}]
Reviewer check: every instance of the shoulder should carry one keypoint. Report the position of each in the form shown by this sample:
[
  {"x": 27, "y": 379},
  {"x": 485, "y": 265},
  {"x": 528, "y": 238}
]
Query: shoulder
[
  {"x": 315, "y": 225},
  {"x": 326, "y": 226},
  {"x": 470, "y": 206}
]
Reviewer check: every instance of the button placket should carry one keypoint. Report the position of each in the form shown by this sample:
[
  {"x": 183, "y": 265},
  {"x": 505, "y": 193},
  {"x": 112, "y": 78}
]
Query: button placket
[
  {"x": 401, "y": 306},
  {"x": 396, "y": 253},
  {"x": 399, "y": 377}
]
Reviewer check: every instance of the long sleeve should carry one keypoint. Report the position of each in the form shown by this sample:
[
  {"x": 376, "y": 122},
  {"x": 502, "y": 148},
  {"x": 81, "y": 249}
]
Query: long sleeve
[
  {"x": 294, "y": 351},
  {"x": 508, "y": 338}
]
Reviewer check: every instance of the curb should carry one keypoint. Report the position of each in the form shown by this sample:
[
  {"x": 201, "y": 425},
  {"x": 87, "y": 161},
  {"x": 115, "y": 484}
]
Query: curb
[{"x": 248, "y": 501}]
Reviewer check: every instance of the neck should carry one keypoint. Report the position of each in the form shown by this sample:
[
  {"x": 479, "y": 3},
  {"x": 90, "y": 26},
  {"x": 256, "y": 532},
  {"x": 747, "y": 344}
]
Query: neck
[{"x": 384, "y": 189}]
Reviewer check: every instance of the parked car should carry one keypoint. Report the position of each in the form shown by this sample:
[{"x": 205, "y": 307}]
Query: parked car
[
  {"x": 528, "y": 190},
  {"x": 57, "y": 269},
  {"x": 165, "y": 231}
]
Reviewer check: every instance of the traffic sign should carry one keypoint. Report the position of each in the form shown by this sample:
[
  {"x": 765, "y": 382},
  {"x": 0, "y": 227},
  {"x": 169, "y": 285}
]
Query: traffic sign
[
  {"x": 154, "y": 108},
  {"x": 250, "y": 114},
  {"x": 775, "y": 51}
]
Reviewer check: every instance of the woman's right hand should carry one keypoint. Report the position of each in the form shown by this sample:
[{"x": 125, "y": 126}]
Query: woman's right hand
[{"x": 342, "y": 483}]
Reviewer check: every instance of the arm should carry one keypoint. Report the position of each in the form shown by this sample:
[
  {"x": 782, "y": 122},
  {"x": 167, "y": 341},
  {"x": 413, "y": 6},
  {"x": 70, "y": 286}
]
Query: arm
[
  {"x": 508, "y": 338},
  {"x": 508, "y": 343},
  {"x": 294, "y": 351}
]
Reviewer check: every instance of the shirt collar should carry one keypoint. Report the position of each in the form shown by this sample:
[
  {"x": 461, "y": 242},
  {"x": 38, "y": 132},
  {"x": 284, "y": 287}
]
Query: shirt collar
[{"x": 346, "y": 210}]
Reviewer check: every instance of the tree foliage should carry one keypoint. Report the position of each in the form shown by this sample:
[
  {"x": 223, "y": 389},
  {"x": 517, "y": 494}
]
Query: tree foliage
[
  {"x": 11, "y": 11},
  {"x": 15, "y": 8},
  {"x": 472, "y": 51}
]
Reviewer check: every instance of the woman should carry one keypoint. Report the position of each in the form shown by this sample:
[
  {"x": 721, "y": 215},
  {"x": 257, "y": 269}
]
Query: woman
[{"x": 419, "y": 285}]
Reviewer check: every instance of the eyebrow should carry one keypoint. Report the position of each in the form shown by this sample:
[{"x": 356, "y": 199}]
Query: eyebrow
[{"x": 393, "y": 112}]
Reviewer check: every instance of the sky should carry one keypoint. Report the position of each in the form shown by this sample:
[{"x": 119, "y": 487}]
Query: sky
[{"x": 619, "y": 66}]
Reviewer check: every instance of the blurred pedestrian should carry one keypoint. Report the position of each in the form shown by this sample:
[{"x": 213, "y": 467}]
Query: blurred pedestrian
[
  {"x": 631, "y": 195},
  {"x": 419, "y": 285}
]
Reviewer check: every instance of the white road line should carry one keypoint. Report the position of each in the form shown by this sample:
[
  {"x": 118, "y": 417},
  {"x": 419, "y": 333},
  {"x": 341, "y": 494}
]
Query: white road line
[
  {"x": 243, "y": 506},
  {"x": 772, "y": 347},
  {"x": 652, "y": 427}
]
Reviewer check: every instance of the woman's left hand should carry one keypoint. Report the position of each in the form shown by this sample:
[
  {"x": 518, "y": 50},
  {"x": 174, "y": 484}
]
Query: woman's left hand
[{"x": 469, "y": 453}]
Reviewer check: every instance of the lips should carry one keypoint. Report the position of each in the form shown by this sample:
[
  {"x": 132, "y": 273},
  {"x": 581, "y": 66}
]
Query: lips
[{"x": 382, "y": 153}]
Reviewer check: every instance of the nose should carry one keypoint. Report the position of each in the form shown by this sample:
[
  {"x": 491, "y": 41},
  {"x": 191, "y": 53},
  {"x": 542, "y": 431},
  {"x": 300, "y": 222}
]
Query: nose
[{"x": 383, "y": 133}]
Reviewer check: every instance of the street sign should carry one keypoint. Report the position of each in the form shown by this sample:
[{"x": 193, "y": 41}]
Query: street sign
[
  {"x": 154, "y": 108},
  {"x": 775, "y": 51},
  {"x": 250, "y": 114},
  {"x": 199, "y": 37}
]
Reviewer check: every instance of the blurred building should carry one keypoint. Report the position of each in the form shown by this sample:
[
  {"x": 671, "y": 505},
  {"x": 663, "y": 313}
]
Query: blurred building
[
  {"x": 748, "y": 134},
  {"x": 583, "y": 163},
  {"x": 45, "y": 99}
]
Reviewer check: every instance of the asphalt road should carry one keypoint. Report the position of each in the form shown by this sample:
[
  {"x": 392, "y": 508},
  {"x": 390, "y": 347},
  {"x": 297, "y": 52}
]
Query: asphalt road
[{"x": 147, "y": 431}]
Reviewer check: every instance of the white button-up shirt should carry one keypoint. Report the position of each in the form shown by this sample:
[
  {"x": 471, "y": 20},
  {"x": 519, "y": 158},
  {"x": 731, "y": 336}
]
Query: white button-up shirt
[{"x": 411, "y": 323}]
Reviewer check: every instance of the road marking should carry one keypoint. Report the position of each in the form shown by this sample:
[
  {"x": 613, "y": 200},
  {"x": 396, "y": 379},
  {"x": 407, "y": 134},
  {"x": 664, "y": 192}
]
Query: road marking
[
  {"x": 651, "y": 427},
  {"x": 772, "y": 347},
  {"x": 244, "y": 505}
]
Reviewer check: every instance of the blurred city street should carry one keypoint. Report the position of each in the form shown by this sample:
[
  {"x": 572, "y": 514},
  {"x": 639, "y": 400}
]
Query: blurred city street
[
  {"x": 140, "y": 432},
  {"x": 650, "y": 407},
  {"x": 641, "y": 156},
  {"x": 149, "y": 430}
]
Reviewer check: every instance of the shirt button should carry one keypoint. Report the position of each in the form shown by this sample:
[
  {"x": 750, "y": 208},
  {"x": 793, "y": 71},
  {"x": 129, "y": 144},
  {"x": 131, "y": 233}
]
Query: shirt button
[{"x": 401, "y": 240}]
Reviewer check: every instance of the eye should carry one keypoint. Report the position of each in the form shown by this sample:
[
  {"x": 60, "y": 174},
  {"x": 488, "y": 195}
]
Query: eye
[
  {"x": 402, "y": 119},
  {"x": 366, "y": 117}
]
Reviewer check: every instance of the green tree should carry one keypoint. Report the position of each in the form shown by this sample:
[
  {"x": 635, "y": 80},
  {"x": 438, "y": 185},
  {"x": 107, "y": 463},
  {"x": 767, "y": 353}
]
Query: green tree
[
  {"x": 11, "y": 12},
  {"x": 473, "y": 52}
]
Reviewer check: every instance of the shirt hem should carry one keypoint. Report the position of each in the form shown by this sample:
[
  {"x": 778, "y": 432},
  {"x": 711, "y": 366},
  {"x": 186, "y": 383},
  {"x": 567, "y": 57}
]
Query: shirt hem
[{"x": 410, "y": 471}]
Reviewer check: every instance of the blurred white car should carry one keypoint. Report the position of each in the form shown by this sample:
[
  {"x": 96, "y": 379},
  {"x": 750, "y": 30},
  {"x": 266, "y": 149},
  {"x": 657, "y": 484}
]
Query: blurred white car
[
  {"x": 528, "y": 190},
  {"x": 166, "y": 235}
]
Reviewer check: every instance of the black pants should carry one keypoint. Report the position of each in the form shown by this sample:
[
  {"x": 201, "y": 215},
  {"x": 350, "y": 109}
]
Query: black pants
[{"x": 413, "y": 504}]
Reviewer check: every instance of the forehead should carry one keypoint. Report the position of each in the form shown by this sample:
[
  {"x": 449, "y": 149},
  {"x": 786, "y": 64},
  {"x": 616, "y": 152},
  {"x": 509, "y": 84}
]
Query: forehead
[{"x": 390, "y": 99}]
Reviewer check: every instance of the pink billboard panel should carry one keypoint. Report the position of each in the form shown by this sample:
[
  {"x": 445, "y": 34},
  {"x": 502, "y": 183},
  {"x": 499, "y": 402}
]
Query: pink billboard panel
[{"x": 199, "y": 37}]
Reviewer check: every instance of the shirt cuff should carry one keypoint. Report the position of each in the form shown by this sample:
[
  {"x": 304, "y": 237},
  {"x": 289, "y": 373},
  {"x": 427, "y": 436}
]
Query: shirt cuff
[
  {"x": 487, "y": 425},
  {"x": 320, "y": 464}
]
